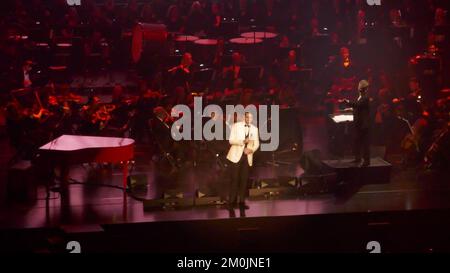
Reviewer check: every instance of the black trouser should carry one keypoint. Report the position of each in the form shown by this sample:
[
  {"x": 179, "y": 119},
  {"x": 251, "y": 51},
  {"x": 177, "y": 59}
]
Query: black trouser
[
  {"x": 362, "y": 144},
  {"x": 239, "y": 177}
]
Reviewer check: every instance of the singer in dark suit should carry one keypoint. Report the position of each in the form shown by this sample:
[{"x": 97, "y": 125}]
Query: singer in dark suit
[
  {"x": 361, "y": 119},
  {"x": 244, "y": 140}
]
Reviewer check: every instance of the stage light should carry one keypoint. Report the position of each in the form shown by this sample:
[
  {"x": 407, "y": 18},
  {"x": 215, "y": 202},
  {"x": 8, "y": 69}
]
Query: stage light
[
  {"x": 270, "y": 187},
  {"x": 204, "y": 197},
  {"x": 173, "y": 194}
]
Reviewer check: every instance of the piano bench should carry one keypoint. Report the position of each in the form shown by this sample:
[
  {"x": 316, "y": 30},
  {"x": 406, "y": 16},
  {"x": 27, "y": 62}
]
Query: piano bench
[{"x": 21, "y": 186}]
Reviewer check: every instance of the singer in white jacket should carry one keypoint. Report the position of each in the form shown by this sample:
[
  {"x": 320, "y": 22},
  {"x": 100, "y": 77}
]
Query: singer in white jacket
[{"x": 244, "y": 140}]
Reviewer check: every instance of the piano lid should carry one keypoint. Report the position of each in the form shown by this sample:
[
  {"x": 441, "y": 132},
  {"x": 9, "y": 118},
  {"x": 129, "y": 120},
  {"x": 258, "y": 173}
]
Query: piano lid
[{"x": 73, "y": 143}]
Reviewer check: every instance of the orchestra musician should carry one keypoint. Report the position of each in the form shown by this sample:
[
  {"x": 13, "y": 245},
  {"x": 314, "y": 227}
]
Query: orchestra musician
[
  {"x": 182, "y": 74},
  {"x": 21, "y": 78},
  {"x": 95, "y": 116},
  {"x": 233, "y": 72}
]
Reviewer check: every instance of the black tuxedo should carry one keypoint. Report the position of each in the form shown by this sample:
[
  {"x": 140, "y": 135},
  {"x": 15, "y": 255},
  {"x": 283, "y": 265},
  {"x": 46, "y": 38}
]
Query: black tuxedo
[
  {"x": 361, "y": 112},
  {"x": 361, "y": 118}
]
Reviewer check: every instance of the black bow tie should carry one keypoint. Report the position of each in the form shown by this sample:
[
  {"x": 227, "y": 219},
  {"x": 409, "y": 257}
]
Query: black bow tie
[{"x": 246, "y": 125}]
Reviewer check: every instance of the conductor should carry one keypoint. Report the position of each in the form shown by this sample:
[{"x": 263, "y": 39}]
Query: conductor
[{"x": 361, "y": 117}]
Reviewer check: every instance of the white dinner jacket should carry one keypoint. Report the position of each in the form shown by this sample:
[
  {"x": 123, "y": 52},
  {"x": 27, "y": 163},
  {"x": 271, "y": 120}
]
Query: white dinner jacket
[{"x": 237, "y": 138}]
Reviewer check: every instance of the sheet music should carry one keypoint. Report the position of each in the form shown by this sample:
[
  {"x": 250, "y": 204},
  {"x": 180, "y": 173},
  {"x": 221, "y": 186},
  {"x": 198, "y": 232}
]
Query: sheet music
[{"x": 342, "y": 118}]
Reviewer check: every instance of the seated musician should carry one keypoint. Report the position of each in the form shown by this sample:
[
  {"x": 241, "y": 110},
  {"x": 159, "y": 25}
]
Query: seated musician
[
  {"x": 181, "y": 75},
  {"x": 91, "y": 122},
  {"x": 160, "y": 127},
  {"x": 121, "y": 113},
  {"x": 231, "y": 93},
  {"x": 195, "y": 22},
  {"x": 21, "y": 77},
  {"x": 413, "y": 100},
  {"x": 247, "y": 98},
  {"x": 343, "y": 70},
  {"x": 288, "y": 65},
  {"x": 33, "y": 133},
  {"x": 214, "y": 20},
  {"x": 117, "y": 94},
  {"x": 96, "y": 45},
  {"x": 219, "y": 55},
  {"x": 233, "y": 72},
  {"x": 59, "y": 122},
  {"x": 286, "y": 97},
  {"x": 383, "y": 116},
  {"x": 273, "y": 89},
  {"x": 441, "y": 28},
  {"x": 415, "y": 143},
  {"x": 174, "y": 21},
  {"x": 26, "y": 74}
]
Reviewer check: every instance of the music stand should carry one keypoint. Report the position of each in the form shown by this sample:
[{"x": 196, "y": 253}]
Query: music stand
[{"x": 340, "y": 130}]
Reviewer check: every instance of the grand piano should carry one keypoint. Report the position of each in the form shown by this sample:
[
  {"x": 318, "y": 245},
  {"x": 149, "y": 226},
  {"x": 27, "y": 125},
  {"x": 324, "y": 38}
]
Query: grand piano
[{"x": 68, "y": 150}]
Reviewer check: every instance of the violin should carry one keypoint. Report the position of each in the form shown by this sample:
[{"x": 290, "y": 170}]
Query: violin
[
  {"x": 103, "y": 115},
  {"x": 43, "y": 113}
]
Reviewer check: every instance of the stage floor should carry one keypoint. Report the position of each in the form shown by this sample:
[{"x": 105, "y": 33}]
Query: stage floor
[
  {"x": 93, "y": 205},
  {"x": 89, "y": 204}
]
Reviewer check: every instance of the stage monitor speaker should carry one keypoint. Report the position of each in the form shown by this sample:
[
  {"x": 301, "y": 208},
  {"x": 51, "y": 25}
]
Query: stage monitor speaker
[
  {"x": 311, "y": 162},
  {"x": 171, "y": 199},
  {"x": 282, "y": 181},
  {"x": 272, "y": 187},
  {"x": 205, "y": 198},
  {"x": 378, "y": 172},
  {"x": 318, "y": 184}
]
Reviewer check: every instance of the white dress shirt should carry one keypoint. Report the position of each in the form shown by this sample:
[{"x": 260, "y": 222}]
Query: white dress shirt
[{"x": 237, "y": 137}]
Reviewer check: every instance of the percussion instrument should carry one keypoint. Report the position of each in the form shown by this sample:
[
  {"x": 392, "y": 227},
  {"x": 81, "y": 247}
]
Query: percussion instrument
[
  {"x": 156, "y": 33},
  {"x": 64, "y": 45},
  {"x": 186, "y": 38},
  {"x": 206, "y": 42},
  {"x": 259, "y": 35},
  {"x": 251, "y": 48},
  {"x": 185, "y": 43},
  {"x": 246, "y": 41}
]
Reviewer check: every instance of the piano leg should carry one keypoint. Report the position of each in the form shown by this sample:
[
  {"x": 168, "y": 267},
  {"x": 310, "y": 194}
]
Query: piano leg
[
  {"x": 64, "y": 187},
  {"x": 125, "y": 175}
]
